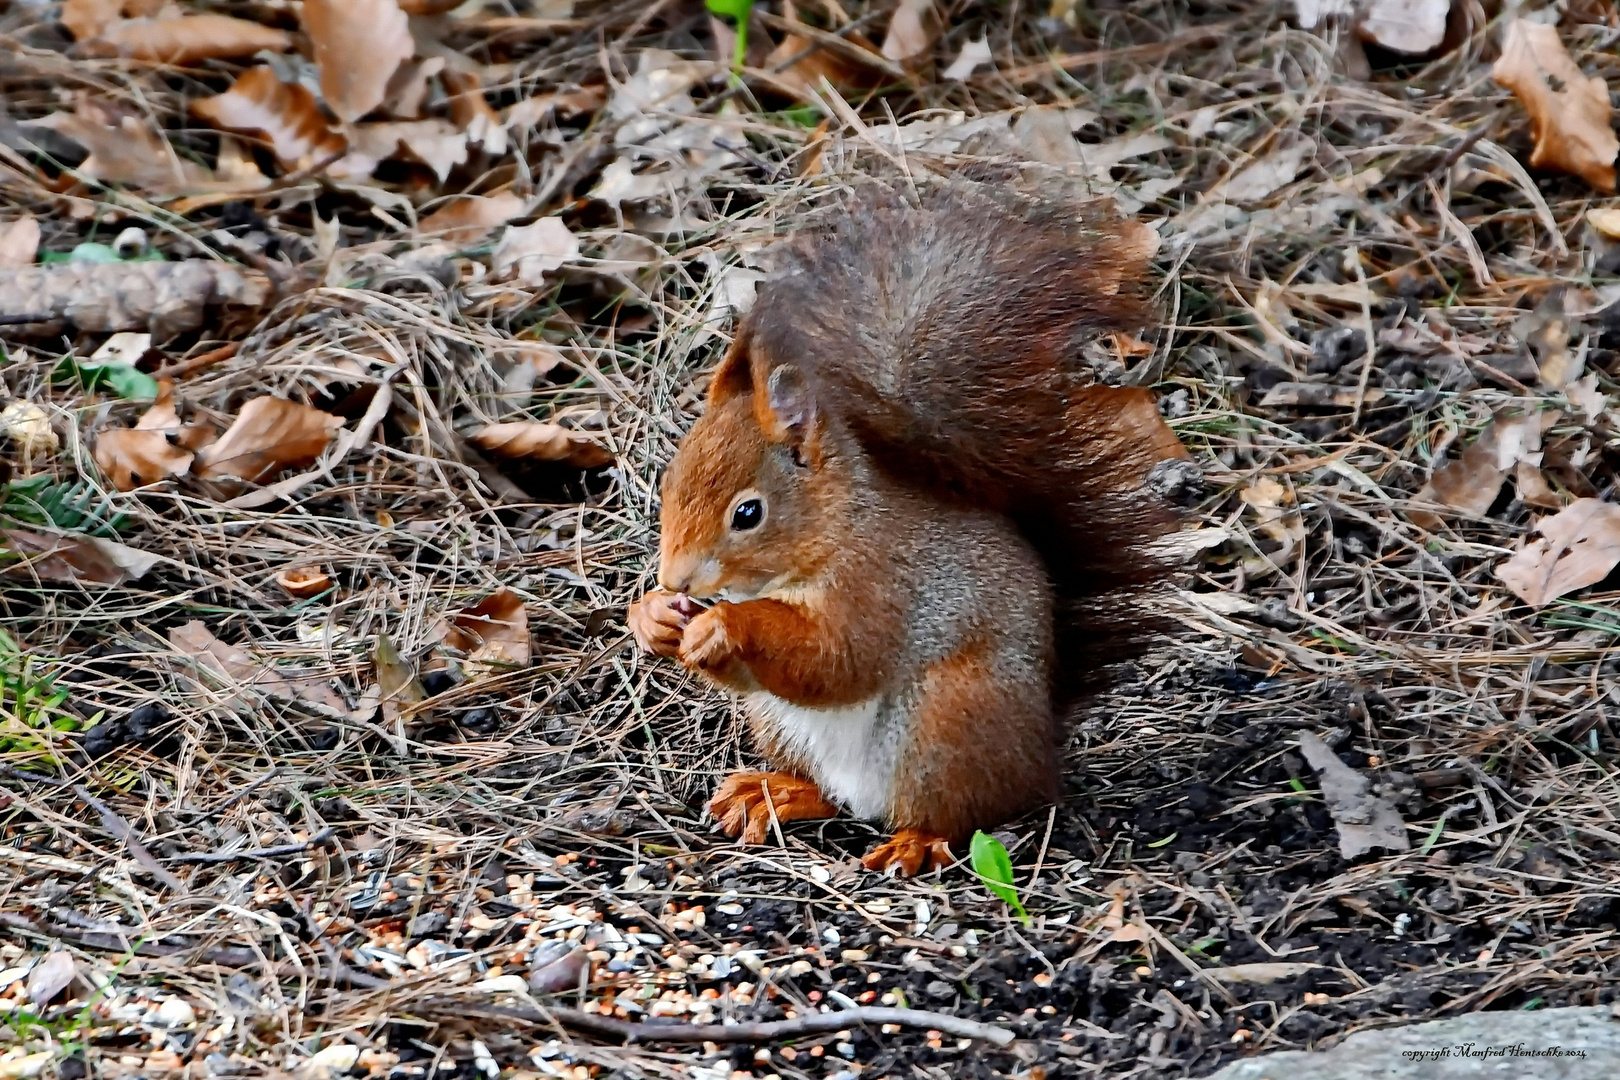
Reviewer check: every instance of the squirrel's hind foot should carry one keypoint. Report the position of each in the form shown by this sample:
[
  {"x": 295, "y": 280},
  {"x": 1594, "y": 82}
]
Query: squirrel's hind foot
[
  {"x": 746, "y": 801},
  {"x": 910, "y": 851}
]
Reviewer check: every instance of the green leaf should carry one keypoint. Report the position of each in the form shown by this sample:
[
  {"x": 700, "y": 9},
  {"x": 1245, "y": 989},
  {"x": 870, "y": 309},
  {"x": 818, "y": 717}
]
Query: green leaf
[
  {"x": 994, "y": 867},
  {"x": 124, "y": 380}
]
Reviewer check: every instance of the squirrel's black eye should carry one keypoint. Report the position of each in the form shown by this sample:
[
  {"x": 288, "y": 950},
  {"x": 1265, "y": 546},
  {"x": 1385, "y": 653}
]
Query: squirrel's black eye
[{"x": 748, "y": 515}]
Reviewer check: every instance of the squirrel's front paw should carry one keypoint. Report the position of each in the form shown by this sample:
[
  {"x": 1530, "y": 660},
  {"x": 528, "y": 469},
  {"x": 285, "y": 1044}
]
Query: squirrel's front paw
[
  {"x": 659, "y": 619},
  {"x": 707, "y": 646}
]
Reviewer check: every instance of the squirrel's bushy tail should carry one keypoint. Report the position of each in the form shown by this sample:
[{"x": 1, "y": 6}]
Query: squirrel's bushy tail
[{"x": 947, "y": 330}]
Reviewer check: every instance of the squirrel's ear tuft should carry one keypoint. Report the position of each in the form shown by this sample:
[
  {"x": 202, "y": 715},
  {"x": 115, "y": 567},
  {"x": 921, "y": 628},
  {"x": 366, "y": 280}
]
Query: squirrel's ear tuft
[
  {"x": 734, "y": 377},
  {"x": 791, "y": 405}
]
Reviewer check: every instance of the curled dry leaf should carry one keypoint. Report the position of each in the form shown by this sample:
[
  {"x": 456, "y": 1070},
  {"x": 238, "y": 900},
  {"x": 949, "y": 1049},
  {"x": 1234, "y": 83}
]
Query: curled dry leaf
[
  {"x": 19, "y": 242},
  {"x": 358, "y": 45},
  {"x": 286, "y": 114},
  {"x": 86, "y": 19},
  {"x": 72, "y": 558},
  {"x": 471, "y": 218},
  {"x": 530, "y": 252},
  {"x": 304, "y": 582},
  {"x": 913, "y": 28},
  {"x": 235, "y": 667},
  {"x": 397, "y": 684},
  {"x": 268, "y": 435},
  {"x": 547, "y": 442},
  {"x": 50, "y": 977},
  {"x": 1569, "y": 111},
  {"x": 124, "y": 147},
  {"x": 1276, "y": 518},
  {"x": 1470, "y": 484},
  {"x": 132, "y": 458},
  {"x": 806, "y": 68},
  {"x": 472, "y": 113},
  {"x": 1363, "y": 820},
  {"x": 565, "y": 104},
  {"x": 1578, "y": 546},
  {"x": 493, "y": 633},
  {"x": 438, "y": 144},
  {"x": 186, "y": 39}
]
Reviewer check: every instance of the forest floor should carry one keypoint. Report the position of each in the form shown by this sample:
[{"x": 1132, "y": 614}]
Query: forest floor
[{"x": 241, "y": 866}]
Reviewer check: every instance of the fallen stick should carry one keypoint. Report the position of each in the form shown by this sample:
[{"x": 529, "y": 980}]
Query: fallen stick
[{"x": 632, "y": 1031}]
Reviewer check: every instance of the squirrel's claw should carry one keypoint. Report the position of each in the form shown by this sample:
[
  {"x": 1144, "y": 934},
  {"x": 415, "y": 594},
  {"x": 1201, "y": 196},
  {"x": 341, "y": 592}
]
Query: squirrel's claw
[
  {"x": 741, "y": 808},
  {"x": 659, "y": 619},
  {"x": 910, "y": 851}
]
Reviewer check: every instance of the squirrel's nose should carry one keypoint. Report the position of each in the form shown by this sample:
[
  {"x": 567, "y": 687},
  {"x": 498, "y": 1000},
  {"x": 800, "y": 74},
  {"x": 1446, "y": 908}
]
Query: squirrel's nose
[{"x": 675, "y": 575}]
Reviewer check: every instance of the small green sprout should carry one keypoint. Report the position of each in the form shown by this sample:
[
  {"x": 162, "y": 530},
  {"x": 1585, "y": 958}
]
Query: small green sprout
[
  {"x": 994, "y": 867},
  {"x": 737, "y": 11}
]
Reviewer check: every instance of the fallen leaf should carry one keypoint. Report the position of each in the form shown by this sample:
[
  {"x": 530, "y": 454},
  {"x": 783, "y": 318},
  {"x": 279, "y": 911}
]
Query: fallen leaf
[
  {"x": 563, "y": 103},
  {"x": 471, "y": 112},
  {"x": 492, "y": 634},
  {"x": 124, "y": 147},
  {"x": 29, "y": 426},
  {"x": 74, "y": 558},
  {"x": 51, "y": 976},
  {"x": 1259, "y": 179},
  {"x": 86, "y": 19},
  {"x": 132, "y": 458},
  {"x": 529, "y": 252},
  {"x": 398, "y": 686},
  {"x": 470, "y": 218},
  {"x": 806, "y": 67},
  {"x": 438, "y": 144},
  {"x": 186, "y": 39},
  {"x": 1578, "y": 546},
  {"x": 1363, "y": 820},
  {"x": 974, "y": 54},
  {"x": 236, "y": 667},
  {"x": 268, "y": 435},
  {"x": 548, "y": 442},
  {"x": 19, "y": 242},
  {"x": 1584, "y": 395},
  {"x": 304, "y": 582},
  {"x": 358, "y": 45},
  {"x": 1569, "y": 111},
  {"x": 286, "y": 114},
  {"x": 408, "y": 87},
  {"x": 124, "y": 347},
  {"x": 1413, "y": 27},
  {"x": 1470, "y": 484},
  {"x": 912, "y": 30}
]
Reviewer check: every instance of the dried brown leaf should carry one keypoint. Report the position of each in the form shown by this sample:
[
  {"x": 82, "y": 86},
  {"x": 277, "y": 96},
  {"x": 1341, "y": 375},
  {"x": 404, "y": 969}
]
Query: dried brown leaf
[
  {"x": 358, "y": 45},
  {"x": 913, "y": 29},
  {"x": 133, "y": 458},
  {"x": 1578, "y": 546},
  {"x": 471, "y": 218},
  {"x": 1470, "y": 484},
  {"x": 547, "y": 442},
  {"x": 530, "y": 252},
  {"x": 233, "y": 665},
  {"x": 493, "y": 633},
  {"x": 124, "y": 147},
  {"x": 304, "y": 582},
  {"x": 397, "y": 685},
  {"x": 19, "y": 242},
  {"x": 72, "y": 557},
  {"x": 438, "y": 144},
  {"x": 1569, "y": 111},
  {"x": 472, "y": 113},
  {"x": 564, "y": 103},
  {"x": 187, "y": 39},
  {"x": 86, "y": 19},
  {"x": 268, "y": 435},
  {"x": 284, "y": 113},
  {"x": 804, "y": 75}
]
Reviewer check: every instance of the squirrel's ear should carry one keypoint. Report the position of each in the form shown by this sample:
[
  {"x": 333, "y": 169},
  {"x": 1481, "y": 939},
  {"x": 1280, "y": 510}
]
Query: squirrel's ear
[
  {"x": 791, "y": 405},
  {"x": 734, "y": 376}
]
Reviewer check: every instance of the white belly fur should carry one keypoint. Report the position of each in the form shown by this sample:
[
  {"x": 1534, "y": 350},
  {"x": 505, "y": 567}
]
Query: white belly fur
[{"x": 850, "y": 751}]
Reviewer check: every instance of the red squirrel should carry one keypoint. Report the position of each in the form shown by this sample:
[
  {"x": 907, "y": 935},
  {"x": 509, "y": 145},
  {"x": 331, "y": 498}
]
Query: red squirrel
[{"x": 915, "y": 522}]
